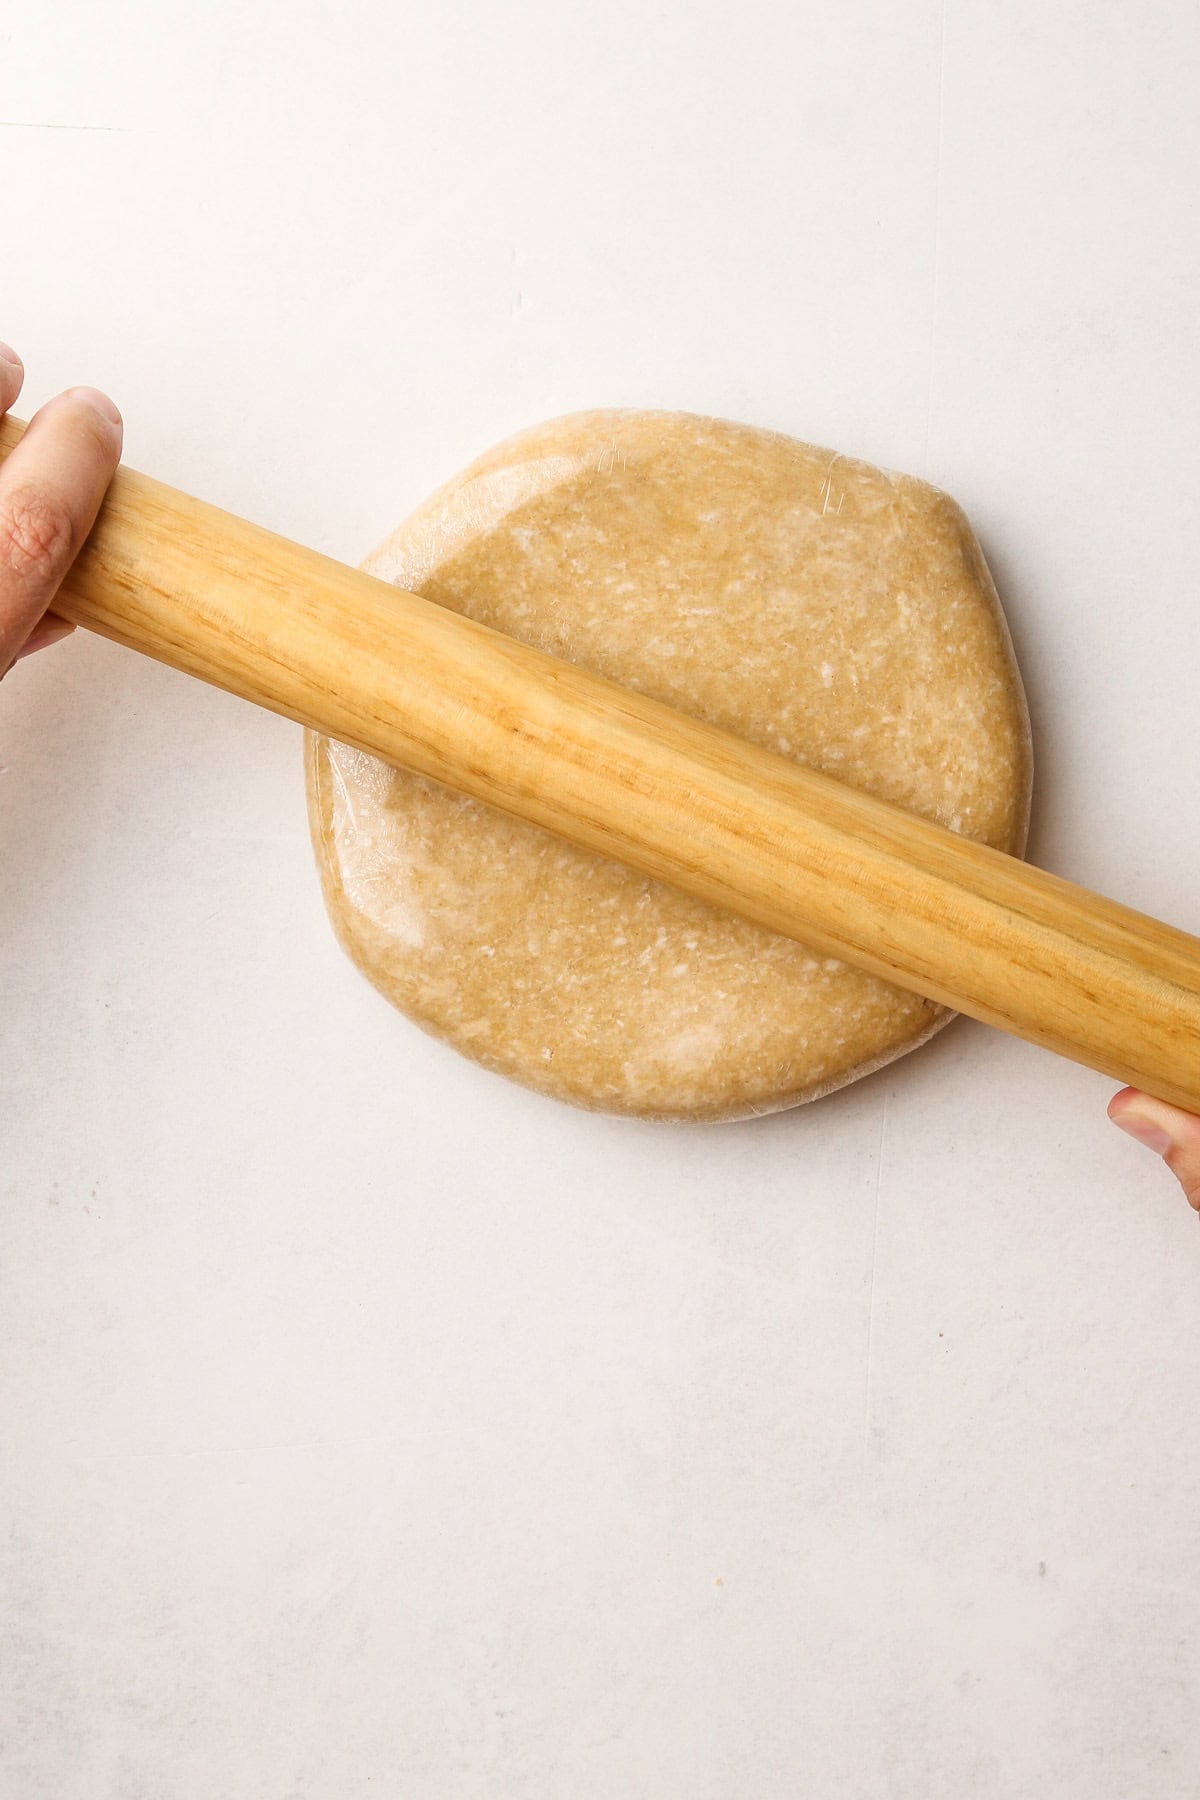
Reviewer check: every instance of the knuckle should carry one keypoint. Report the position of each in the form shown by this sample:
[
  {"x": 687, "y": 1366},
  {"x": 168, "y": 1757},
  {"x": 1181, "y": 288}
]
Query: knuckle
[{"x": 36, "y": 533}]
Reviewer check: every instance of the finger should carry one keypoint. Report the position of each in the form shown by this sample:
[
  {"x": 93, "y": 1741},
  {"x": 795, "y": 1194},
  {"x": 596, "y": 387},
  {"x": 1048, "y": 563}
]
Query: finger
[
  {"x": 1167, "y": 1130},
  {"x": 51, "y": 487},
  {"x": 12, "y": 376},
  {"x": 50, "y": 629}
]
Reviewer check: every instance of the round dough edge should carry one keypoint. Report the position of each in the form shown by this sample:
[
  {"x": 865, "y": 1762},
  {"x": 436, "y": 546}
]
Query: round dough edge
[{"x": 826, "y": 609}]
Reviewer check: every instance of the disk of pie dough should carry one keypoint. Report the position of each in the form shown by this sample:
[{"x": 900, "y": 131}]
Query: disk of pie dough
[{"x": 836, "y": 614}]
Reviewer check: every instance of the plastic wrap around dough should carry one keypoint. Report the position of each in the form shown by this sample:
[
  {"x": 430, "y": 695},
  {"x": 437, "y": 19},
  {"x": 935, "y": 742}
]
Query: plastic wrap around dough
[{"x": 835, "y": 614}]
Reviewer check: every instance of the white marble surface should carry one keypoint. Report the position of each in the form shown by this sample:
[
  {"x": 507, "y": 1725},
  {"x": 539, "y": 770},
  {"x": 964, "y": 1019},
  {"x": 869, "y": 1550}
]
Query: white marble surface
[{"x": 370, "y": 1426}]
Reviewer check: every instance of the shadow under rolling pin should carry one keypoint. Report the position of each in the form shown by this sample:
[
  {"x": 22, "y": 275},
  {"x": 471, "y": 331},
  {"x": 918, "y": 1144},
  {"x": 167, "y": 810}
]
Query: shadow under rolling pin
[{"x": 749, "y": 831}]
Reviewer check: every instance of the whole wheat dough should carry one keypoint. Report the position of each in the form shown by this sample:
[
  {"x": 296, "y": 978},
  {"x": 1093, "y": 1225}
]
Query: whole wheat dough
[{"x": 836, "y": 614}]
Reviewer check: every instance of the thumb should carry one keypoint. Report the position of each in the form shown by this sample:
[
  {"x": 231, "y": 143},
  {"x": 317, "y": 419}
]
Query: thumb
[
  {"x": 1169, "y": 1132},
  {"x": 51, "y": 486}
]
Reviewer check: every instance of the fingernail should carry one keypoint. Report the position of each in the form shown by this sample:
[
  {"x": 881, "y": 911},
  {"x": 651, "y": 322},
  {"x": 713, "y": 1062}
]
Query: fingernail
[
  {"x": 98, "y": 401},
  {"x": 9, "y": 355},
  {"x": 1153, "y": 1136}
]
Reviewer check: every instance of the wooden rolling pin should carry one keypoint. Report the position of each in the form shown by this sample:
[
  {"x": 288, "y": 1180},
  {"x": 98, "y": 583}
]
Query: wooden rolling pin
[{"x": 752, "y": 832}]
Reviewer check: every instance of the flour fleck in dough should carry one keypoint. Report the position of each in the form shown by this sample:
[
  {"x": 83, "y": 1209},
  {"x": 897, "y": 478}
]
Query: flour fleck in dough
[{"x": 838, "y": 615}]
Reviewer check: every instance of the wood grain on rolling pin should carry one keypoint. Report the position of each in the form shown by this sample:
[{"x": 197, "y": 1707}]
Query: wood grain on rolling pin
[{"x": 424, "y": 688}]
